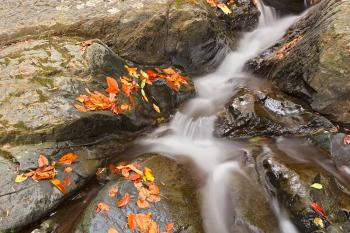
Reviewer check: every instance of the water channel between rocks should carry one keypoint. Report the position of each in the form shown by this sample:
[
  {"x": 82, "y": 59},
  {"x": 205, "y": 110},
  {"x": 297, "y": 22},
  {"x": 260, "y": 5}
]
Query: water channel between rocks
[{"x": 227, "y": 171}]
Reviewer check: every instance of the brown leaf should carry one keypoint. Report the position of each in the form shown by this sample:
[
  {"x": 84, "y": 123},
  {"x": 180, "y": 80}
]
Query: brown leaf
[
  {"x": 153, "y": 188},
  {"x": 58, "y": 185},
  {"x": 44, "y": 173},
  {"x": 124, "y": 201},
  {"x": 68, "y": 158},
  {"x": 112, "y": 230},
  {"x": 113, "y": 192},
  {"x": 43, "y": 161}
]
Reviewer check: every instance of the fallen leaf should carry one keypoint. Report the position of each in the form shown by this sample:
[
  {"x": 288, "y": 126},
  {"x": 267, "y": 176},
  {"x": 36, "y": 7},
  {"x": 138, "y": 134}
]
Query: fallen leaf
[
  {"x": 316, "y": 186},
  {"x": 131, "y": 221},
  {"x": 113, "y": 192},
  {"x": 169, "y": 227},
  {"x": 144, "y": 95},
  {"x": 43, "y": 161},
  {"x": 153, "y": 198},
  {"x": 318, "y": 209},
  {"x": 224, "y": 8},
  {"x": 112, "y": 230},
  {"x": 58, "y": 185},
  {"x": 142, "y": 203},
  {"x": 102, "y": 206},
  {"x": 133, "y": 176},
  {"x": 154, "y": 189},
  {"x": 44, "y": 173},
  {"x": 318, "y": 222},
  {"x": 68, "y": 170},
  {"x": 20, "y": 178},
  {"x": 280, "y": 53},
  {"x": 145, "y": 223},
  {"x": 346, "y": 140},
  {"x": 156, "y": 108},
  {"x": 80, "y": 108},
  {"x": 68, "y": 158},
  {"x": 148, "y": 174},
  {"x": 124, "y": 201},
  {"x": 132, "y": 71},
  {"x": 113, "y": 87},
  {"x": 68, "y": 180}
]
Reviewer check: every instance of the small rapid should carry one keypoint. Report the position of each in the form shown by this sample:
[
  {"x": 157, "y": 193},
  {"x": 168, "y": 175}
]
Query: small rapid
[{"x": 190, "y": 132}]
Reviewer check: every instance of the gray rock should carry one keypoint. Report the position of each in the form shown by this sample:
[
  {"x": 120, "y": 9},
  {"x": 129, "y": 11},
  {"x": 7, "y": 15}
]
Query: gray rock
[
  {"x": 316, "y": 68},
  {"x": 178, "y": 205},
  {"x": 269, "y": 112}
]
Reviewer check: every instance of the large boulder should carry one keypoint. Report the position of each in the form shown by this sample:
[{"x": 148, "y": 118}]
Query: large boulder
[
  {"x": 312, "y": 60},
  {"x": 268, "y": 112},
  {"x": 188, "y": 34},
  {"x": 39, "y": 82},
  {"x": 178, "y": 204}
]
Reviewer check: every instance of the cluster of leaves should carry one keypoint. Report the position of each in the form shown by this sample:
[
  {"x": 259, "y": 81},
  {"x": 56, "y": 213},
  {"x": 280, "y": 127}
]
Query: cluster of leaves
[
  {"x": 318, "y": 209},
  {"x": 47, "y": 171},
  {"x": 222, "y": 6},
  {"x": 281, "y": 52},
  {"x": 131, "y": 85},
  {"x": 148, "y": 191}
]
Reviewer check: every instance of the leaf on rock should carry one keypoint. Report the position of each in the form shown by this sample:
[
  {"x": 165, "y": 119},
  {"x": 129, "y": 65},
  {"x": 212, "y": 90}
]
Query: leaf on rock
[
  {"x": 68, "y": 170},
  {"x": 68, "y": 158},
  {"x": 346, "y": 140},
  {"x": 318, "y": 222},
  {"x": 148, "y": 174},
  {"x": 68, "y": 180},
  {"x": 43, "y": 161},
  {"x": 113, "y": 87},
  {"x": 144, "y": 95},
  {"x": 113, "y": 192},
  {"x": 80, "y": 108},
  {"x": 316, "y": 186},
  {"x": 224, "y": 8},
  {"x": 20, "y": 178},
  {"x": 156, "y": 108},
  {"x": 112, "y": 230},
  {"x": 142, "y": 203},
  {"x": 58, "y": 185},
  {"x": 131, "y": 221},
  {"x": 132, "y": 71},
  {"x": 154, "y": 189},
  {"x": 318, "y": 209},
  {"x": 169, "y": 227},
  {"x": 102, "y": 206},
  {"x": 124, "y": 201}
]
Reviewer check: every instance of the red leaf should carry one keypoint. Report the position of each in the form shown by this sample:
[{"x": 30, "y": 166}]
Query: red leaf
[
  {"x": 113, "y": 87},
  {"x": 43, "y": 161},
  {"x": 318, "y": 209},
  {"x": 124, "y": 201}
]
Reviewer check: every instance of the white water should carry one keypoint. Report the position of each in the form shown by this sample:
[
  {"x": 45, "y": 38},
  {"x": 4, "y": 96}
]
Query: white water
[{"x": 189, "y": 134}]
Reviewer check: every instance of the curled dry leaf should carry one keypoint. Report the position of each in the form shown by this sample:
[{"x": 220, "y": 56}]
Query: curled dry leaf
[
  {"x": 318, "y": 209},
  {"x": 113, "y": 87},
  {"x": 142, "y": 203},
  {"x": 68, "y": 158},
  {"x": 43, "y": 161},
  {"x": 156, "y": 108},
  {"x": 154, "y": 189},
  {"x": 102, "y": 206},
  {"x": 124, "y": 201},
  {"x": 145, "y": 223},
  {"x": 58, "y": 185},
  {"x": 80, "y": 108}
]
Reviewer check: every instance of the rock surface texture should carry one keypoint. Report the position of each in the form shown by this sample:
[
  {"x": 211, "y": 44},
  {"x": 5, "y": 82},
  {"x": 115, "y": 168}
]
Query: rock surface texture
[{"x": 315, "y": 63}]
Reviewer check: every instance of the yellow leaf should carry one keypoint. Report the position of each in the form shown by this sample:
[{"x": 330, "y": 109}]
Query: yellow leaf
[
  {"x": 156, "y": 108},
  {"x": 143, "y": 83},
  {"x": 144, "y": 95},
  {"x": 318, "y": 222},
  {"x": 316, "y": 186},
  {"x": 148, "y": 174},
  {"x": 224, "y": 8},
  {"x": 20, "y": 178}
]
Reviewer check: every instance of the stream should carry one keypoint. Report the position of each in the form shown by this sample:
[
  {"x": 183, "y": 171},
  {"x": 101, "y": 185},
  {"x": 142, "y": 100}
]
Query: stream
[{"x": 217, "y": 162}]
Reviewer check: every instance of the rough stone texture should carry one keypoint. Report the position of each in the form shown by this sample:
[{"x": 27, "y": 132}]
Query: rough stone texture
[
  {"x": 268, "y": 112},
  {"x": 317, "y": 67},
  {"x": 39, "y": 82},
  {"x": 188, "y": 34},
  {"x": 178, "y": 203},
  {"x": 340, "y": 152}
]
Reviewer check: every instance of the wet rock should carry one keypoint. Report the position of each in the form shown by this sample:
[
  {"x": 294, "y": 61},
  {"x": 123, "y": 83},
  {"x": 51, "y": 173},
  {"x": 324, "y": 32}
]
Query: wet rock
[
  {"x": 290, "y": 182},
  {"x": 187, "y": 34},
  {"x": 287, "y": 7},
  {"x": 178, "y": 203},
  {"x": 340, "y": 152},
  {"x": 269, "y": 112},
  {"x": 39, "y": 82},
  {"x": 316, "y": 67}
]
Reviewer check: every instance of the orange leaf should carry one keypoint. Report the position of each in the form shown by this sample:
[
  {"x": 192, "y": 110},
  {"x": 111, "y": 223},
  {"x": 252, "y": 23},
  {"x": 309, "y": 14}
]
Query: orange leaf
[
  {"x": 80, "y": 108},
  {"x": 58, "y": 185},
  {"x": 142, "y": 203},
  {"x": 124, "y": 201},
  {"x": 43, "y": 161},
  {"x": 68, "y": 180},
  {"x": 131, "y": 221},
  {"x": 156, "y": 108},
  {"x": 112, "y": 230},
  {"x": 153, "y": 188},
  {"x": 68, "y": 158},
  {"x": 113, "y": 87},
  {"x": 153, "y": 198},
  {"x": 102, "y": 206},
  {"x": 169, "y": 71},
  {"x": 68, "y": 170},
  {"x": 44, "y": 173},
  {"x": 169, "y": 227},
  {"x": 132, "y": 71},
  {"x": 113, "y": 192}
]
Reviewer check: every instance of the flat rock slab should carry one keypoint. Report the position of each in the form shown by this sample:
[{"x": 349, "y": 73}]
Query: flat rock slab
[{"x": 178, "y": 205}]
